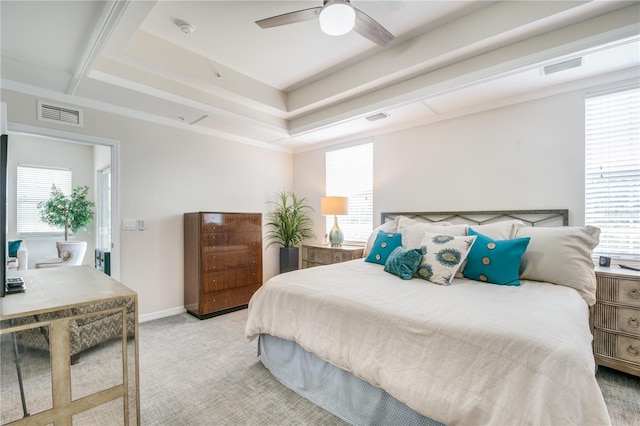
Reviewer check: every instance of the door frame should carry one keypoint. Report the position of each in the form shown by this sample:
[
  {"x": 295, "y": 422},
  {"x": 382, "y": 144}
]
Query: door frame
[{"x": 15, "y": 128}]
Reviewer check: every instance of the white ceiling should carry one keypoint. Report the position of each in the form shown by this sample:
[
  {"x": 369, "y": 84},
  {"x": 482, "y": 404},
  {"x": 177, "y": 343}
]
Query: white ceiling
[{"x": 291, "y": 87}]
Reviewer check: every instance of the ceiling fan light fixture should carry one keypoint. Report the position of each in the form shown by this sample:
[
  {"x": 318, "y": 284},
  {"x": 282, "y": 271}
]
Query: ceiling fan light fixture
[{"x": 337, "y": 18}]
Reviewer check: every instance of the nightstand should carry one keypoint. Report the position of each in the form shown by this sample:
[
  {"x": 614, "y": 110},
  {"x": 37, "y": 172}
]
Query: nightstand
[
  {"x": 616, "y": 335},
  {"x": 318, "y": 254}
]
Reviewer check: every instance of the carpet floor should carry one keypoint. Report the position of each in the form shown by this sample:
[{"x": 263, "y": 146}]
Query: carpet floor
[{"x": 196, "y": 372}]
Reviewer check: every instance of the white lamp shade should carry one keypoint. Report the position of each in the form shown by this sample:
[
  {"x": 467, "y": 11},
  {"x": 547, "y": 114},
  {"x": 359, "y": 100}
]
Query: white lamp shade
[
  {"x": 334, "y": 206},
  {"x": 337, "y": 18}
]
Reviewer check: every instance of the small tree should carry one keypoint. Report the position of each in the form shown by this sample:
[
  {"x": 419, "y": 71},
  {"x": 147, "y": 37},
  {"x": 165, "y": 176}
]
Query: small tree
[
  {"x": 289, "y": 220},
  {"x": 72, "y": 212}
]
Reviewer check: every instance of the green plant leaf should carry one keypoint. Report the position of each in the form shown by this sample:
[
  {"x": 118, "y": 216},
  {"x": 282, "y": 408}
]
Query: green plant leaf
[
  {"x": 289, "y": 221},
  {"x": 73, "y": 213}
]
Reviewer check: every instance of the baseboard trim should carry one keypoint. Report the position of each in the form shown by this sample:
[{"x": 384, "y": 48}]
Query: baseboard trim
[{"x": 161, "y": 314}]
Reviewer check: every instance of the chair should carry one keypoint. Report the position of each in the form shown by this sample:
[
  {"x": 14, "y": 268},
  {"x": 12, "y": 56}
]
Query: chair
[
  {"x": 20, "y": 262},
  {"x": 69, "y": 254}
]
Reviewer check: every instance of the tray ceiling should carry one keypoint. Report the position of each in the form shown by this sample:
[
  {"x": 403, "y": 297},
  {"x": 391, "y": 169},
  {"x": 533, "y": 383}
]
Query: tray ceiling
[{"x": 293, "y": 87}]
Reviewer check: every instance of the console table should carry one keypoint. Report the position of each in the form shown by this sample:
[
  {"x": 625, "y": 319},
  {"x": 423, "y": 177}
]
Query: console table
[{"x": 71, "y": 294}]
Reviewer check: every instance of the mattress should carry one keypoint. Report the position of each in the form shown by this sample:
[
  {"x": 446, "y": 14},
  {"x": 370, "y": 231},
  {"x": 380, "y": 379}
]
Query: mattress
[{"x": 468, "y": 353}]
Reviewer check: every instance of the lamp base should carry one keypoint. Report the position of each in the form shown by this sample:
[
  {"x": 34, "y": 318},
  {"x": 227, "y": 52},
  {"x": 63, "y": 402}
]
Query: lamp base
[{"x": 336, "y": 236}]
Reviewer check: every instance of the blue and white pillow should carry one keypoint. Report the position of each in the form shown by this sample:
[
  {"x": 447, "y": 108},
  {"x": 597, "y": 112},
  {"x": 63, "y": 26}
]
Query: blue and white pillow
[{"x": 443, "y": 256}]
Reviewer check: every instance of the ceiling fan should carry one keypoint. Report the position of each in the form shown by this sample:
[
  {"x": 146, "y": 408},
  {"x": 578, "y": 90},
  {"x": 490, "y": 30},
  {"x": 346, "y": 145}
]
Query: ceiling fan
[{"x": 336, "y": 17}]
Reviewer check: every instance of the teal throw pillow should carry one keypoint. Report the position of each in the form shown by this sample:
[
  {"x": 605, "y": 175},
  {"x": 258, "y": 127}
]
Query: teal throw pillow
[
  {"x": 404, "y": 262},
  {"x": 385, "y": 243},
  {"x": 14, "y": 246},
  {"x": 495, "y": 261}
]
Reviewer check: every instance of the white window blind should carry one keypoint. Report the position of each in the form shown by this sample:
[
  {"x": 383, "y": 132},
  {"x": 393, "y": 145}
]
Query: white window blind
[
  {"x": 34, "y": 185},
  {"x": 612, "y": 181},
  {"x": 349, "y": 173}
]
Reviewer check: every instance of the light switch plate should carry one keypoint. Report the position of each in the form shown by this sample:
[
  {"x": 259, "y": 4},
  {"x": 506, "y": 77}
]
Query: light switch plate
[{"x": 128, "y": 224}]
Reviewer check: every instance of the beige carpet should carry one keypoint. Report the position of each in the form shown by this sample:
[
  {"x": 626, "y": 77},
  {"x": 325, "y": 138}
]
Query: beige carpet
[{"x": 196, "y": 372}]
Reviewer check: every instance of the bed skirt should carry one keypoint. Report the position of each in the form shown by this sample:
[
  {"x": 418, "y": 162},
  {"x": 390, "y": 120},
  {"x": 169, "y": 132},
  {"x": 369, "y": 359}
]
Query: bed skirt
[{"x": 334, "y": 389}]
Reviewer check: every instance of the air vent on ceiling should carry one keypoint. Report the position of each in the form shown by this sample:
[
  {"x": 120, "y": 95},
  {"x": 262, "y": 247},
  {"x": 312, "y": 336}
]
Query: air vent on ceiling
[
  {"x": 562, "y": 66},
  {"x": 378, "y": 116},
  {"x": 59, "y": 114}
]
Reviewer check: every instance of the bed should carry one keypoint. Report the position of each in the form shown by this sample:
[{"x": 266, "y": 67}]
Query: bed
[{"x": 380, "y": 340}]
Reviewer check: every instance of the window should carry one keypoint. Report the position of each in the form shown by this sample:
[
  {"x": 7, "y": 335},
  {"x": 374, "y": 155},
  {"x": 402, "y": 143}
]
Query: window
[
  {"x": 34, "y": 185},
  {"x": 612, "y": 167},
  {"x": 349, "y": 173}
]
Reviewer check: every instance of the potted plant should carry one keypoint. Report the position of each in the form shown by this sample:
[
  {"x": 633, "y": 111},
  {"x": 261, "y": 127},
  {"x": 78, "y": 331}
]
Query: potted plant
[
  {"x": 290, "y": 223},
  {"x": 72, "y": 213}
]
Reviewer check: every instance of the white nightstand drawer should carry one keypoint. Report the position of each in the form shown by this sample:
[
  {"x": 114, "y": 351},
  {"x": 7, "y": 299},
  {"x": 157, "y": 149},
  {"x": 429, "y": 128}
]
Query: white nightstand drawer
[
  {"x": 629, "y": 320},
  {"x": 629, "y": 349},
  {"x": 617, "y": 346},
  {"x": 617, "y": 318},
  {"x": 629, "y": 292}
]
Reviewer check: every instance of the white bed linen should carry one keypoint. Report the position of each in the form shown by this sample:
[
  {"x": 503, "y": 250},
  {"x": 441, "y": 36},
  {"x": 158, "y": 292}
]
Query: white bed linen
[{"x": 469, "y": 353}]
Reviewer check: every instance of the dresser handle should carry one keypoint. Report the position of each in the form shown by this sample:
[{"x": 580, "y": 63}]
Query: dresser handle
[
  {"x": 634, "y": 293},
  {"x": 632, "y": 351},
  {"x": 633, "y": 322}
]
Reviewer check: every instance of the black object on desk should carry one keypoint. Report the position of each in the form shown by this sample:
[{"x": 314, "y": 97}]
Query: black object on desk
[
  {"x": 14, "y": 285},
  {"x": 632, "y": 268}
]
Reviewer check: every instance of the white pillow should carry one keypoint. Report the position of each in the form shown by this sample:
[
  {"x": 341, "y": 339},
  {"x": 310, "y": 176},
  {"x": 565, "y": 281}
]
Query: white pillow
[
  {"x": 413, "y": 234},
  {"x": 443, "y": 256},
  {"x": 390, "y": 226},
  {"x": 561, "y": 255},
  {"x": 504, "y": 230}
]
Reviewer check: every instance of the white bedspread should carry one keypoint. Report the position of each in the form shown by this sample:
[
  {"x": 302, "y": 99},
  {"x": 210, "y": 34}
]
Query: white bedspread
[{"x": 470, "y": 353}]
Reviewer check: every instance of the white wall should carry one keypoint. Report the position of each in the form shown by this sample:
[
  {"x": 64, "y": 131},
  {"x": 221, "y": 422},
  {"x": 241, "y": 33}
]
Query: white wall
[
  {"x": 166, "y": 172},
  {"x": 527, "y": 156},
  {"x": 28, "y": 150}
]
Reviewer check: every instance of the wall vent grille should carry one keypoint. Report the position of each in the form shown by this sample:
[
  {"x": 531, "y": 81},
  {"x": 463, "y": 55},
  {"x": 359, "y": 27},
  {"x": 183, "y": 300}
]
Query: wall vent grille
[
  {"x": 376, "y": 117},
  {"x": 59, "y": 114}
]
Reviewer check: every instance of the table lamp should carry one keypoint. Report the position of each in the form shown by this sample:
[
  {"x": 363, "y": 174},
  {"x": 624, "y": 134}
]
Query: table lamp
[{"x": 334, "y": 206}]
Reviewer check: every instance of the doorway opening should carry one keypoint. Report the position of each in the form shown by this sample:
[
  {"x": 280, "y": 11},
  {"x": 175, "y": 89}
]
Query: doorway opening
[{"x": 105, "y": 180}]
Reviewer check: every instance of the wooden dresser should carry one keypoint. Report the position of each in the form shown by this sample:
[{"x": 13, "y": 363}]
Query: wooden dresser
[
  {"x": 222, "y": 261},
  {"x": 616, "y": 337},
  {"x": 318, "y": 254}
]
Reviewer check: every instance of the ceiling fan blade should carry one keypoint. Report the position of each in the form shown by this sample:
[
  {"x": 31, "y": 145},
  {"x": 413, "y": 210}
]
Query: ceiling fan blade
[
  {"x": 369, "y": 28},
  {"x": 290, "y": 18}
]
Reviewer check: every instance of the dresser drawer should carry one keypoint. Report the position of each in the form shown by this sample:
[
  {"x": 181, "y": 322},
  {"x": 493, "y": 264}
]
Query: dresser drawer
[
  {"x": 617, "y": 346},
  {"x": 617, "y": 318},
  {"x": 629, "y": 292},
  {"x": 316, "y": 255},
  {"x": 230, "y": 240},
  {"x": 214, "y": 281},
  {"x": 618, "y": 290},
  {"x": 231, "y": 223},
  {"x": 221, "y": 261}
]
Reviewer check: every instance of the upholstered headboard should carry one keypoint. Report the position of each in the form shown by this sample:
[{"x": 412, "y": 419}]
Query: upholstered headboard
[{"x": 553, "y": 217}]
